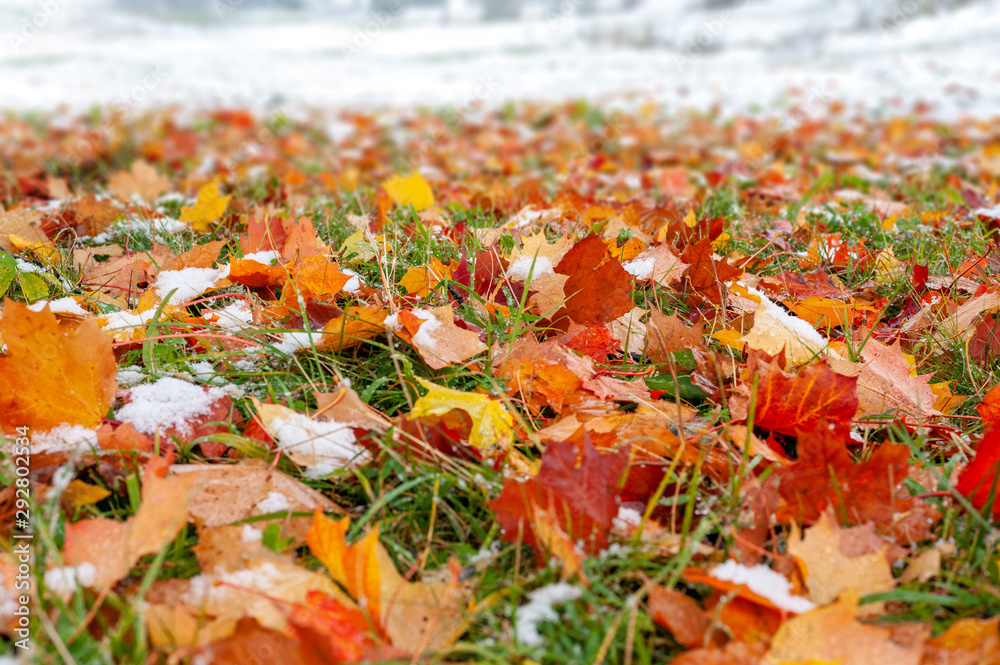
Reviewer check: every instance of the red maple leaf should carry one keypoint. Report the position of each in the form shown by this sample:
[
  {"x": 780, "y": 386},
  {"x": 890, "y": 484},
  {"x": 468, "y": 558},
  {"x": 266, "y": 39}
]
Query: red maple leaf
[
  {"x": 788, "y": 403},
  {"x": 581, "y": 501},
  {"x": 705, "y": 275},
  {"x": 980, "y": 479},
  {"x": 869, "y": 491},
  {"x": 598, "y": 289}
]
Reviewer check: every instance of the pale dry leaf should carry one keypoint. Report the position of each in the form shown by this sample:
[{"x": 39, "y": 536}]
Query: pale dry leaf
[{"x": 829, "y": 572}]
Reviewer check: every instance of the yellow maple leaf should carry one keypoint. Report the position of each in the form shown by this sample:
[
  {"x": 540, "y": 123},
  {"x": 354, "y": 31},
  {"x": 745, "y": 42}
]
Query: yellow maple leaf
[
  {"x": 492, "y": 424},
  {"x": 411, "y": 190},
  {"x": 207, "y": 209},
  {"x": 419, "y": 280}
]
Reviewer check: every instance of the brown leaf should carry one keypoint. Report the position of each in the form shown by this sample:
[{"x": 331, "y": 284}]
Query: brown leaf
[
  {"x": 112, "y": 547},
  {"x": 705, "y": 275},
  {"x": 23, "y": 223},
  {"x": 884, "y": 382},
  {"x": 832, "y": 634},
  {"x": 141, "y": 180},
  {"x": 829, "y": 572}
]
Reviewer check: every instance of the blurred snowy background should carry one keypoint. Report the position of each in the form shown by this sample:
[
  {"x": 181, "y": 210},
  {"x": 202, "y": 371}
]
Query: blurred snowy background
[{"x": 758, "y": 55}]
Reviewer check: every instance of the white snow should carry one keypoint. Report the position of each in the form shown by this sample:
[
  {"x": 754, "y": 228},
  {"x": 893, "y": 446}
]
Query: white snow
[
  {"x": 275, "y": 502},
  {"x": 522, "y": 267},
  {"x": 189, "y": 283},
  {"x": 65, "y": 305},
  {"x": 423, "y": 339},
  {"x": 764, "y": 582},
  {"x": 266, "y": 258},
  {"x": 66, "y": 579},
  {"x": 251, "y": 535},
  {"x": 296, "y": 341},
  {"x": 27, "y": 266},
  {"x": 129, "y": 376},
  {"x": 627, "y": 519},
  {"x": 209, "y": 588},
  {"x": 355, "y": 283},
  {"x": 123, "y": 320},
  {"x": 235, "y": 316},
  {"x": 321, "y": 447},
  {"x": 63, "y": 438},
  {"x": 541, "y": 607},
  {"x": 391, "y": 322},
  {"x": 993, "y": 212},
  {"x": 640, "y": 268},
  {"x": 166, "y": 404}
]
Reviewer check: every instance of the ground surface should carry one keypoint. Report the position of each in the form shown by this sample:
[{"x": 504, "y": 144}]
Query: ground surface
[{"x": 588, "y": 387}]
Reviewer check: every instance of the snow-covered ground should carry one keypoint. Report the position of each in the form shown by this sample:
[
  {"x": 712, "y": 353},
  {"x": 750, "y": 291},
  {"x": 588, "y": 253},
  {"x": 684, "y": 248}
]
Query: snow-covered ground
[{"x": 736, "y": 54}]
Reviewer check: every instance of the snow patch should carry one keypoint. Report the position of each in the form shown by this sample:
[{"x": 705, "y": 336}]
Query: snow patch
[
  {"x": 322, "y": 447},
  {"x": 187, "y": 283},
  {"x": 250, "y": 534},
  {"x": 235, "y": 316},
  {"x": 64, "y": 438},
  {"x": 423, "y": 339},
  {"x": 526, "y": 267},
  {"x": 169, "y": 403},
  {"x": 640, "y": 268},
  {"x": 66, "y": 579},
  {"x": 265, "y": 258},
  {"x": 355, "y": 283},
  {"x": 764, "y": 582},
  {"x": 627, "y": 519},
  {"x": 59, "y": 306},
  {"x": 129, "y": 376},
  {"x": 541, "y": 607},
  {"x": 276, "y": 502}
]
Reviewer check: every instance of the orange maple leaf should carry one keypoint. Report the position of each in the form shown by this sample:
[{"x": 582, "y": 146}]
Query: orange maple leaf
[
  {"x": 788, "y": 403},
  {"x": 52, "y": 373}
]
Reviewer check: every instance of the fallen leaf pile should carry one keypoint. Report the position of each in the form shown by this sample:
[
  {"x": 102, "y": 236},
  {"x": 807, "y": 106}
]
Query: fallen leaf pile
[{"x": 586, "y": 386}]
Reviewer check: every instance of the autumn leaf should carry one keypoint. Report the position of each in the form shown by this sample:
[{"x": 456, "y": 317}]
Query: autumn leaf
[
  {"x": 979, "y": 480},
  {"x": 789, "y": 403},
  {"x": 565, "y": 504},
  {"x": 410, "y": 190},
  {"x": 22, "y": 223},
  {"x": 207, "y": 209},
  {"x": 869, "y": 491},
  {"x": 832, "y": 634},
  {"x": 53, "y": 374},
  {"x": 598, "y": 289},
  {"x": 886, "y": 382},
  {"x": 412, "y": 615},
  {"x": 831, "y": 568},
  {"x": 141, "y": 180},
  {"x": 678, "y": 613},
  {"x": 419, "y": 281},
  {"x": 493, "y": 426},
  {"x": 113, "y": 547},
  {"x": 439, "y": 341},
  {"x": 705, "y": 275},
  {"x": 353, "y": 327}
]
